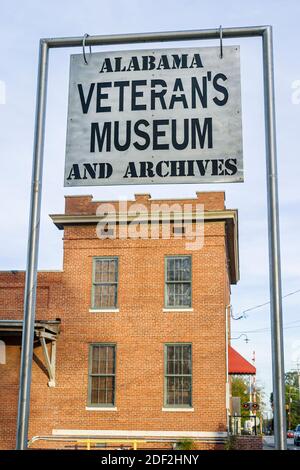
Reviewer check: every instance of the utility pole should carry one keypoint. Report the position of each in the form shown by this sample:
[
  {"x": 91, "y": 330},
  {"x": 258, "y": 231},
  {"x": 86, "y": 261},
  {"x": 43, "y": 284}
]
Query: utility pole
[
  {"x": 254, "y": 382},
  {"x": 254, "y": 391},
  {"x": 290, "y": 410}
]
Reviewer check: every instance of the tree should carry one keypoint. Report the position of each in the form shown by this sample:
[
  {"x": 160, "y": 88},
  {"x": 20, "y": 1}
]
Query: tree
[
  {"x": 292, "y": 399},
  {"x": 240, "y": 388}
]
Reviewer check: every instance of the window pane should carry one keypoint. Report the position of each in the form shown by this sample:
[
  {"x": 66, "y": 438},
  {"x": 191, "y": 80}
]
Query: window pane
[
  {"x": 170, "y": 391},
  {"x": 105, "y": 270},
  {"x": 186, "y": 390},
  {"x": 177, "y": 364},
  {"x": 186, "y": 349},
  {"x": 170, "y": 367},
  {"x": 102, "y": 397},
  {"x": 109, "y": 390},
  {"x": 178, "y": 281},
  {"x": 186, "y": 360},
  {"x": 105, "y": 295},
  {"x": 185, "y": 269},
  {"x": 102, "y": 390},
  {"x": 170, "y": 269},
  {"x": 102, "y": 383},
  {"x": 170, "y": 359},
  {"x": 171, "y": 353},
  {"x": 186, "y": 367},
  {"x": 177, "y": 400},
  {"x": 179, "y": 269},
  {"x": 95, "y": 360},
  {"x": 103, "y": 360},
  {"x": 179, "y": 391},
  {"x": 179, "y": 295},
  {"x": 110, "y": 369},
  {"x": 179, "y": 375},
  {"x": 102, "y": 368},
  {"x": 95, "y": 390},
  {"x": 178, "y": 263}
]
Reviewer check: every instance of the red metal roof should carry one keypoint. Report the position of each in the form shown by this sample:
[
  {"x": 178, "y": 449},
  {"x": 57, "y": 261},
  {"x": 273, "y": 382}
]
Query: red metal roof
[{"x": 238, "y": 365}]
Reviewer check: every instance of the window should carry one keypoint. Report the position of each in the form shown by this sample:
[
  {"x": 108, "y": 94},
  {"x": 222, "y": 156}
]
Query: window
[
  {"x": 178, "y": 281},
  {"x": 102, "y": 367},
  {"x": 178, "y": 375},
  {"x": 105, "y": 283}
]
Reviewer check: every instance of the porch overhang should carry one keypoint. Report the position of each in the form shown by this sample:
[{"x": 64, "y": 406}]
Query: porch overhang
[
  {"x": 238, "y": 365},
  {"x": 45, "y": 331}
]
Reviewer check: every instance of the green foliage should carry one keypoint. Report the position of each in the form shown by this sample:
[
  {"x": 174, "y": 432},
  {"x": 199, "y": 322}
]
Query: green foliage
[
  {"x": 185, "y": 444},
  {"x": 292, "y": 399},
  {"x": 231, "y": 443},
  {"x": 240, "y": 388}
]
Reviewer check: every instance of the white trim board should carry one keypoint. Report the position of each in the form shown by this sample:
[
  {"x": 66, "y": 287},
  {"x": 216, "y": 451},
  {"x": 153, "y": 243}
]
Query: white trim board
[{"x": 113, "y": 433}]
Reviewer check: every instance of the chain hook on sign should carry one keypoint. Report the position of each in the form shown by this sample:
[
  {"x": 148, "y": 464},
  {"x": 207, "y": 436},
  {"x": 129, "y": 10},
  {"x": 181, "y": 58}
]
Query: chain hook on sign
[
  {"x": 221, "y": 41},
  {"x": 83, "y": 48}
]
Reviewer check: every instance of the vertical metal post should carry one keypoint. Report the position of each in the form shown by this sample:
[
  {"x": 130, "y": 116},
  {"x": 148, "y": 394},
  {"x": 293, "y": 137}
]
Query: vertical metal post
[
  {"x": 274, "y": 245},
  {"x": 32, "y": 252}
]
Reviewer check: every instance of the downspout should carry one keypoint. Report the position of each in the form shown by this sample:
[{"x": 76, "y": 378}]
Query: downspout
[{"x": 227, "y": 309}]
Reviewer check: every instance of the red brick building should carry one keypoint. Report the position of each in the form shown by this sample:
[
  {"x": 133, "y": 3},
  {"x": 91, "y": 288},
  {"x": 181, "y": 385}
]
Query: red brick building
[{"x": 130, "y": 337}]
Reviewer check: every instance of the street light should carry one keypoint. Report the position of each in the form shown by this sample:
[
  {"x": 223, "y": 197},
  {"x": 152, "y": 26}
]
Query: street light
[{"x": 243, "y": 334}]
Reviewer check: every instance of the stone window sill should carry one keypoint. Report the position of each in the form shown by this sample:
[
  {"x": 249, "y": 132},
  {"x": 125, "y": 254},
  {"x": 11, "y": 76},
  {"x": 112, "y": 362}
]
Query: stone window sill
[
  {"x": 185, "y": 410},
  {"x": 104, "y": 310},
  {"x": 178, "y": 309},
  {"x": 101, "y": 408}
]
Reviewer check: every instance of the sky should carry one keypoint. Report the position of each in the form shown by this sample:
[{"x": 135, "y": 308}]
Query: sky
[{"x": 22, "y": 24}]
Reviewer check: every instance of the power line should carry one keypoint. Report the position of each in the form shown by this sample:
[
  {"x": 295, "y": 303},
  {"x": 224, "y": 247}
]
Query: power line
[
  {"x": 242, "y": 314},
  {"x": 261, "y": 330}
]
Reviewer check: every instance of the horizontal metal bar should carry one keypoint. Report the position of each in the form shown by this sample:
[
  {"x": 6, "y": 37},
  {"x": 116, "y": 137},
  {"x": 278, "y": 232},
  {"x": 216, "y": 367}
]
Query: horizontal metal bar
[
  {"x": 163, "y": 36},
  {"x": 116, "y": 440}
]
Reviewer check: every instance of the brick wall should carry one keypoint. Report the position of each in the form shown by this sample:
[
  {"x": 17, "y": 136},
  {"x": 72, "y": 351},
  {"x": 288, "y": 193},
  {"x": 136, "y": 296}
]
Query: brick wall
[
  {"x": 140, "y": 329},
  {"x": 249, "y": 443}
]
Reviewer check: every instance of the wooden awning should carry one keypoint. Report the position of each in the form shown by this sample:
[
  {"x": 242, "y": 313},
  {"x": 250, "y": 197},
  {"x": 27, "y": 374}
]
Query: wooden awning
[{"x": 45, "y": 332}]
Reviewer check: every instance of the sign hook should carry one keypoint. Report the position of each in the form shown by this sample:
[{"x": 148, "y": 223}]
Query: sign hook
[
  {"x": 221, "y": 41},
  {"x": 83, "y": 48}
]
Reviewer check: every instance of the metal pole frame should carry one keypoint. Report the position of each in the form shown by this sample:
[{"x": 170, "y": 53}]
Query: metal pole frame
[{"x": 264, "y": 32}]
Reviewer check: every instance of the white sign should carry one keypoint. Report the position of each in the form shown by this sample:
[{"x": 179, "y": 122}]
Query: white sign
[{"x": 154, "y": 116}]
